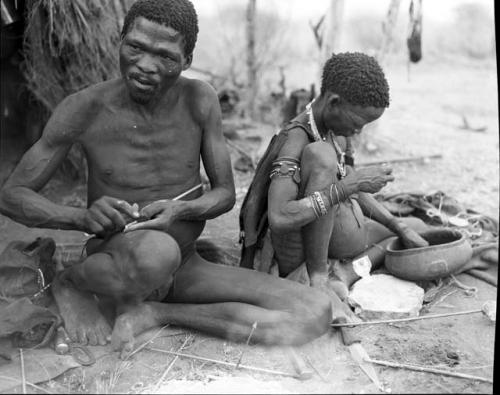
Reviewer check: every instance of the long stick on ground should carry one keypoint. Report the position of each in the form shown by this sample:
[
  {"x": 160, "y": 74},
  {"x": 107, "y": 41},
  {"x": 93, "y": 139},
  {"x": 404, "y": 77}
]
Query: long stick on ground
[
  {"x": 147, "y": 341},
  {"x": 23, "y": 376},
  {"x": 171, "y": 364},
  {"x": 428, "y": 370},
  {"x": 27, "y": 383},
  {"x": 400, "y": 160},
  {"x": 423, "y": 317},
  {"x": 262, "y": 370}
]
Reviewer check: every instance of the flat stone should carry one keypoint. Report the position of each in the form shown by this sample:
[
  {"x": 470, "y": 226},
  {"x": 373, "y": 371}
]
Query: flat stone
[{"x": 382, "y": 296}]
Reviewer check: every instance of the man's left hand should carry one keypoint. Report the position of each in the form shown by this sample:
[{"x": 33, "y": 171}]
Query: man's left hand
[{"x": 160, "y": 215}]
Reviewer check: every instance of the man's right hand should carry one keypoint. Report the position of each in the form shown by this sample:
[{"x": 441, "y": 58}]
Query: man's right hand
[
  {"x": 108, "y": 215},
  {"x": 369, "y": 179}
]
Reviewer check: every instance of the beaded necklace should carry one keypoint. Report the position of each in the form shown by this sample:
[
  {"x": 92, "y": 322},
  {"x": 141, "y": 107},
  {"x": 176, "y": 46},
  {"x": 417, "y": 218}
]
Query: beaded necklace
[{"x": 317, "y": 137}]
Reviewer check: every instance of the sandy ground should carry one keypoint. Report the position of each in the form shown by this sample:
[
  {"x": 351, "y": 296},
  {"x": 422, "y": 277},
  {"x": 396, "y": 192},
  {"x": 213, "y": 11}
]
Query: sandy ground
[{"x": 425, "y": 118}]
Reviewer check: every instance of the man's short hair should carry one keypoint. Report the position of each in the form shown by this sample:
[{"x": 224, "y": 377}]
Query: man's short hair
[
  {"x": 357, "y": 78},
  {"x": 177, "y": 14}
]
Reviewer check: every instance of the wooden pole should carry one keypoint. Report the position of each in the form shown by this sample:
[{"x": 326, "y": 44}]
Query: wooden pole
[
  {"x": 330, "y": 41},
  {"x": 428, "y": 370},
  {"x": 423, "y": 317},
  {"x": 388, "y": 29},
  {"x": 262, "y": 370},
  {"x": 250, "y": 59}
]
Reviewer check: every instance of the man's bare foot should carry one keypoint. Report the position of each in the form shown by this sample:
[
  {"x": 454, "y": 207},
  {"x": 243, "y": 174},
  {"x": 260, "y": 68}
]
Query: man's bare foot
[
  {"x": 82, "y": 319},
  {"x": 338, "y": 286},
  {"x": 344, "y": 272},
  {"x": 130, "y": 323}
]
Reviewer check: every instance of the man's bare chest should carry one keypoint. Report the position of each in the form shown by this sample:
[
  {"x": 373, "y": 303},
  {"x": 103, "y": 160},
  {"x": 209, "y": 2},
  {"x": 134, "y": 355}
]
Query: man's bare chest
[{"x": 121, "y": 146}]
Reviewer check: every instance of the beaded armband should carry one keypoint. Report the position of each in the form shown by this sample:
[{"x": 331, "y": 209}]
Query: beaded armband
[
  {"x": 318, "y": 204},
  {"x": 286, "y": 167}
]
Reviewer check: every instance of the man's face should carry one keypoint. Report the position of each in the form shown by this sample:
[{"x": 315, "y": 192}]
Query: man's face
[
  {"x": 347, "y": 119},
  {"x": 151, "y": 59}
]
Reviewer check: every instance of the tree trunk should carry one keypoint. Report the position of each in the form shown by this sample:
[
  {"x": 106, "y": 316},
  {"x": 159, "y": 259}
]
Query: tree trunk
[
  {"x": 330, "y": 41},
  {"x": 252, "y": 87},
  {"x": 388, "y": 30},
  {"x": 333, "y": 21},
  {"x": 388, "y": 25}
]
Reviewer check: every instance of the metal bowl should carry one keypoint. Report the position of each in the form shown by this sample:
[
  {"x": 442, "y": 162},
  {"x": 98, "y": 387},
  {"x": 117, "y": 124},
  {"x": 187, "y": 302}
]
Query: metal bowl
[{"x": 448, "y": 251}]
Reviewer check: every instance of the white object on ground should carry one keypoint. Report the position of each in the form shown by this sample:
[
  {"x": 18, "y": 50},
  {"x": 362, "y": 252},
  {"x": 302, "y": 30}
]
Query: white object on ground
[
  {"x": 489, "y": 308},
  {"x": 382, "y": 296},
  {"x": 362, "y": 266}
]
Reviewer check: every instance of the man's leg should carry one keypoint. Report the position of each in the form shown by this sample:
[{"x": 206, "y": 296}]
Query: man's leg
[
  {"x": 226, "y": 301},
  {"x": 123, "y": 270}
]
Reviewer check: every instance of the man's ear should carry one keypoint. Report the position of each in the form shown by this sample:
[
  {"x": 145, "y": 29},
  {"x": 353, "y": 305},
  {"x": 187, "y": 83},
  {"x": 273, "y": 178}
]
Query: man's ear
[
  {"x": 332, "y": 99},
  {"x": 189, "y": 60}
]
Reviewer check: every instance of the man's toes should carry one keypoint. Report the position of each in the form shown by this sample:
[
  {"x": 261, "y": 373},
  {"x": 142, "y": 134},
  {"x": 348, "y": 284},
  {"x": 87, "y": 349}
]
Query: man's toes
[
  {"x": 127, "y": 349},
  {"x": 73, "y": 336},
  {"x": 92, "y": 336},
  {"x": 117, "y": 340},
  {"x": 101, "y": 337},
  {"x": 105, "y": 328},
  {"x": 82, "y": 337}
]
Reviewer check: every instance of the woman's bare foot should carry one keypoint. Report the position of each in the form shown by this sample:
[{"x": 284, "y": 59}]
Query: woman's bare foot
[
  {"x": 82, "y": 319},
  {"x": 130, "y": 323}
]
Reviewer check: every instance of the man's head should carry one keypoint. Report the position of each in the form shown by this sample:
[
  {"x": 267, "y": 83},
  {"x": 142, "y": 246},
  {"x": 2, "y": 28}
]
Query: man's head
[
  {"x": 355, "y": 92},
  {"x": 180, "y": 15},
  {"x": 158, "y": 39}
]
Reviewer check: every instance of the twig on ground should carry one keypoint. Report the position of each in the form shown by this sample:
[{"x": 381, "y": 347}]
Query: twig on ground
[
  {"x": 469, "y": 291},
  {"x": 147, "y": 366},
  {"x": 428, "y": 370},
  {"x": 254, "y": 326},
  {"x": 171, "y": 364},
  {"x": 400, "y": 160},
  {"x": 308, "y": 360},
  {"x": 27, "y": 383},
  {"x": 147, "y": 342},
  {"x": 23, "y": 377},
  {"x": 436, "y": 303},
  {"x": 424, "y": 317},
  {"x": 262, "y": 370},
  {"x": 442, "y": 387}
]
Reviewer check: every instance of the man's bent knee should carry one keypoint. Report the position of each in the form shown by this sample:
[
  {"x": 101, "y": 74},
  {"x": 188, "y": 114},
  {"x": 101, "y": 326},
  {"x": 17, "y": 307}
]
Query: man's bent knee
[
  {"x": 146, "y": 259},
  {"x": 156, "y": 254}
]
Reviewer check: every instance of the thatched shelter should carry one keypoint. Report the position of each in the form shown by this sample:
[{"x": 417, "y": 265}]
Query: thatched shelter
[{"x": 69, "y": 45}]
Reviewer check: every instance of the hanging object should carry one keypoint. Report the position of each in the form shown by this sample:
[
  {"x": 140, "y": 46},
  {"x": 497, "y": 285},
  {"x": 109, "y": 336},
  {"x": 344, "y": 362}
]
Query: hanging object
[{"x": 414, "y": 40}]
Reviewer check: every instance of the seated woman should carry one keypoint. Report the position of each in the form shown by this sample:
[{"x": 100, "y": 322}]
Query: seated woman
[{"x": 306, "y": 191}]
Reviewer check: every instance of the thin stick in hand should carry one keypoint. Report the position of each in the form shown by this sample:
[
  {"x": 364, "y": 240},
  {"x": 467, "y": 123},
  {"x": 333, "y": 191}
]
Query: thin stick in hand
[{"x": 183, "y": 194}]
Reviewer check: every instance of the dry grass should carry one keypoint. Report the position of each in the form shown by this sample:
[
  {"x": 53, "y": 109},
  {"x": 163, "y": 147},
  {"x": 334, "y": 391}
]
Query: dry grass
[{"x": 70, "y": 45}]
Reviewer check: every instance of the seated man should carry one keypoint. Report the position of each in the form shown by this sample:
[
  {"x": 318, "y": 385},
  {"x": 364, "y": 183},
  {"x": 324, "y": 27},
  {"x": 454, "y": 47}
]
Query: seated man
[
  {"x": 317, "y": 206},
  {"x": 143, "y": 135}
]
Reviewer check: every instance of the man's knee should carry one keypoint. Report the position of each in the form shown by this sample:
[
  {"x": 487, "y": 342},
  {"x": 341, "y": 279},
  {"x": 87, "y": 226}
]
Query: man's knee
[{"x": 155, "y": 255}]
